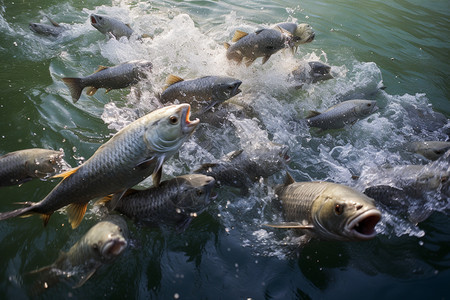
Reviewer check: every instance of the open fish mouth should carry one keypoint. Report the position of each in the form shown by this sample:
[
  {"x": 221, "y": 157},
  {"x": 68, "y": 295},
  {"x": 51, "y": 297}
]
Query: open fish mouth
[
  {"x": 93, "y": 19},
  {"x": 114, "y": 247},
  {"x": 236, "y": 89},
  {"x": 188, "y": 126},
  {"x": 363, "y": 226}
]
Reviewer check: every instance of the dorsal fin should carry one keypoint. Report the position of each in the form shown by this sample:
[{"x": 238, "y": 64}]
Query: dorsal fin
[
  {"x": 172, "y": 79},
  {"x": 101, "y": 68},
  {"x": 234, "y": 154},
  {"x": 66, "y": 174},
  {"x": 128, "y": 25},
  {"x": 288, "y": 180},
  {"x": 53, "y": 22},
  {"x": 238, "y": 35},
  {"x": 283, "y": 31},
  {"x": 312, "y": 113},
  {"x": 226, "y": 45},
  {"x": 76, "y": 212}
]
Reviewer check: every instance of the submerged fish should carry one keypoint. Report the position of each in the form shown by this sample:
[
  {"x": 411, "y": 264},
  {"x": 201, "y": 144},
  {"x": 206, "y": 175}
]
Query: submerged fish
[
  {"x": 103, "y": 243},
  {"x": 312, "y": 72},
  {"x": 429, "y": 149},
  {"x": 413, "y": 191},
  {"x": 243, "y": 167},
  {"x": 54, "y": 29},
  {"x": 339, "y": 115},
  {"x": 21, "y": 166},
  {"x": 302, "y": 33},
  {"x": 109, "y": 78},
  {"x": 111, "y": 27},
  {"x": 174, "y": 201},
  {"x": 327, "y": 210},
  {"x": 202, "y": 93},
  {"x": 262, "y": 43},
  {"x": 130, "y": 156}
]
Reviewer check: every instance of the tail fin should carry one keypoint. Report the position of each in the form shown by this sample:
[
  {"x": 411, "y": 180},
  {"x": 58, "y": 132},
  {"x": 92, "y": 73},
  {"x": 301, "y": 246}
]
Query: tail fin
[
  {"x": 18, "y": 212},
  {"x": 75, "y": 87}
]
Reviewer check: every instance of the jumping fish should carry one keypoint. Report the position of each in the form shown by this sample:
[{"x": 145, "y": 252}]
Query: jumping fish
[
  {"x": 339, "y": 115},
  {"x": 312, "y": 72},
  {"x": 262, "y": 43},
  {"x": 102, "y": 244},
  {"x": 21, "y": 166},
  {"x": 111, "y": 27},
  {"x": 110, "y": 78},
  {"x": 130, "y": 156},
  {"x": 429, "y": 149},
  {"x": 55, "y": 29},
  {"x": 302, "y": 33},
  {"x": 173, "y": 202},
  {"x": 327, "y": 210},
  {"x": 201, "y": 93}
]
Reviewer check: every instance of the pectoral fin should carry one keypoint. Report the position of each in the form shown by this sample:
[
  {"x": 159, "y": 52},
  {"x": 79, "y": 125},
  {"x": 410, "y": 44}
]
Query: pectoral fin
[
  {"x": 87, "y": 276},
  {"x": 101, "y": 68},
  {"x": 66, "y": 174},
  {"x": 288, "y": 225},
  {"x": 157, "y": 177},
  {"x": 91, "y": 91},
  {"x": 146, "y": 163},
  {"x": 312, "y": 113},
  {"x": 226, "y": 45},
  {"x": 265, "y": 59},
  {"x": 76, "y": 212}
]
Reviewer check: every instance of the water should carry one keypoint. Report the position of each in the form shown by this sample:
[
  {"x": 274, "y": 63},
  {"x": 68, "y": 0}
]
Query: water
[{"x": 226, "y": 252}]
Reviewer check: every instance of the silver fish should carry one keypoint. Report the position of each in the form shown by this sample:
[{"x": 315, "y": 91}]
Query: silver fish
[
  {"x": 312, "y": 72},
  {"x": 173, "y": 202},
  {"x": 21, "y": 166},
  {"x": 326, "y": 210},
  {"x": 102, "y": 244},
  {"x": 110, "y": 78},
  {"x": 241, "y": 168},
  {"x": 429, "y": 149},
  {"x": 134, "y": 153},
  {"x": 339, "y": 115},
  {"x": 54, "y": 29},
  {"x": 201, "y": 93},
  {"x": 111, "y": 27},
  {"x": 302, "y": 33},
  {"x": 261, "y": 43}
]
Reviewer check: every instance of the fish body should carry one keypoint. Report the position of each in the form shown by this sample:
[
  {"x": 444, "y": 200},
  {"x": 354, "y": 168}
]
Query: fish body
[
  {"x": 174, "y": 201},
  {"x": 54, "y": 29},
  {"x": 241, "y": 168},
  {"x": 103, "y": 243},
  {"x": 130, "y": 156},
  {"x": 111, "y": 27},
  {"x": 109, "y": 78},
  {"x": 327, "y": 210},
  {"x": 302, "y": 33},
  {"x": 313, "y": 72},
  {"x": 21, "y": 166},
  {"x": 201, "y": 93},
  {"x": 339, "y": 115},
  {"x": 261, "y": 43},
  {"x": 429, "y": 149}
]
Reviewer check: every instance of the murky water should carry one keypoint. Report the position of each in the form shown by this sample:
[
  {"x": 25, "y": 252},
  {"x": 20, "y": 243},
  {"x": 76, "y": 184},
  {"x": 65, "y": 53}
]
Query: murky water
[{"x": 227, "y": 252}]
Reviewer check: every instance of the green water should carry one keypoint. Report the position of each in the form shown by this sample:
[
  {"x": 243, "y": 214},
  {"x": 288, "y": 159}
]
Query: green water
[{"x": 226, "y": 253}]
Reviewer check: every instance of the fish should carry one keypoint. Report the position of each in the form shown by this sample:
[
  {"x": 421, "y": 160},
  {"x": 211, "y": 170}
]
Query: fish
[
  {"x": 131, "y": 155},
  {"x": 241, "y": 168},
  {"x": 409, "y": 190},
  {"x": 431, "y": 150},
  {"x": 55, "y": 29},
  {"x": 110, "y": 78},
  {"x": 327, "y": 210},
  {"x": 261, "y": 43},
  {"x": 110, "y": 26},
  {"x": 174, "y": 202},
  {"x": 302, "y": 33},
  {"x": 312, "y": 72},
  {"x": 201, "y": 93},
  {"x": 101, "y": 244},
  {"x": 339, "y": 115},
  {"x": 23, "y": 165}
]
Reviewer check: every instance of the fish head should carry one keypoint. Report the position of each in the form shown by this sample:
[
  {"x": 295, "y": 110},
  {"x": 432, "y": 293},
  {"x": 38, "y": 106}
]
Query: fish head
[
  {"x": 318, "y": 67},
  {"x": 100, "y": 22},
  {"x": 43, "y": 29},
  {"x": 167, "y": 128},
  {"x": 303, "y": 34},
  {"x": 342, "y": 213},
  {"x": 143, "y": 67},
  {"x": 46, "y": 163},
  {"x": 108, "y": 238},
  {"x": 196, "y": 191},
  {"x": 365, "y": 107},
  {"x": 225, "y": 87}
]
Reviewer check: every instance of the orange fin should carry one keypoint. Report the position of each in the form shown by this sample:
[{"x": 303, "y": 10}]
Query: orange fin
[
  {"x": 66, "y": 174},
  {"x": 101, "y": 68},
  {"x": 76, "y": 212},
  {"x": 91, "y": 91},
  {"x": 46, "y": 218},
  {"x": 226, "y": 45},
  {"x": 172, "y": 79},
  {"x": 238, "y": 35}
]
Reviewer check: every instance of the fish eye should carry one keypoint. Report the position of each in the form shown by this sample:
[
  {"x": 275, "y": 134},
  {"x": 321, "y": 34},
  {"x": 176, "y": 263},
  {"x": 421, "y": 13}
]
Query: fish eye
[
  {"x": 339, "y": 209},
  {"x": 369, "y": 104},
  {"x": 100, "y": 18},
  {"x": 173, "y": 120}
]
